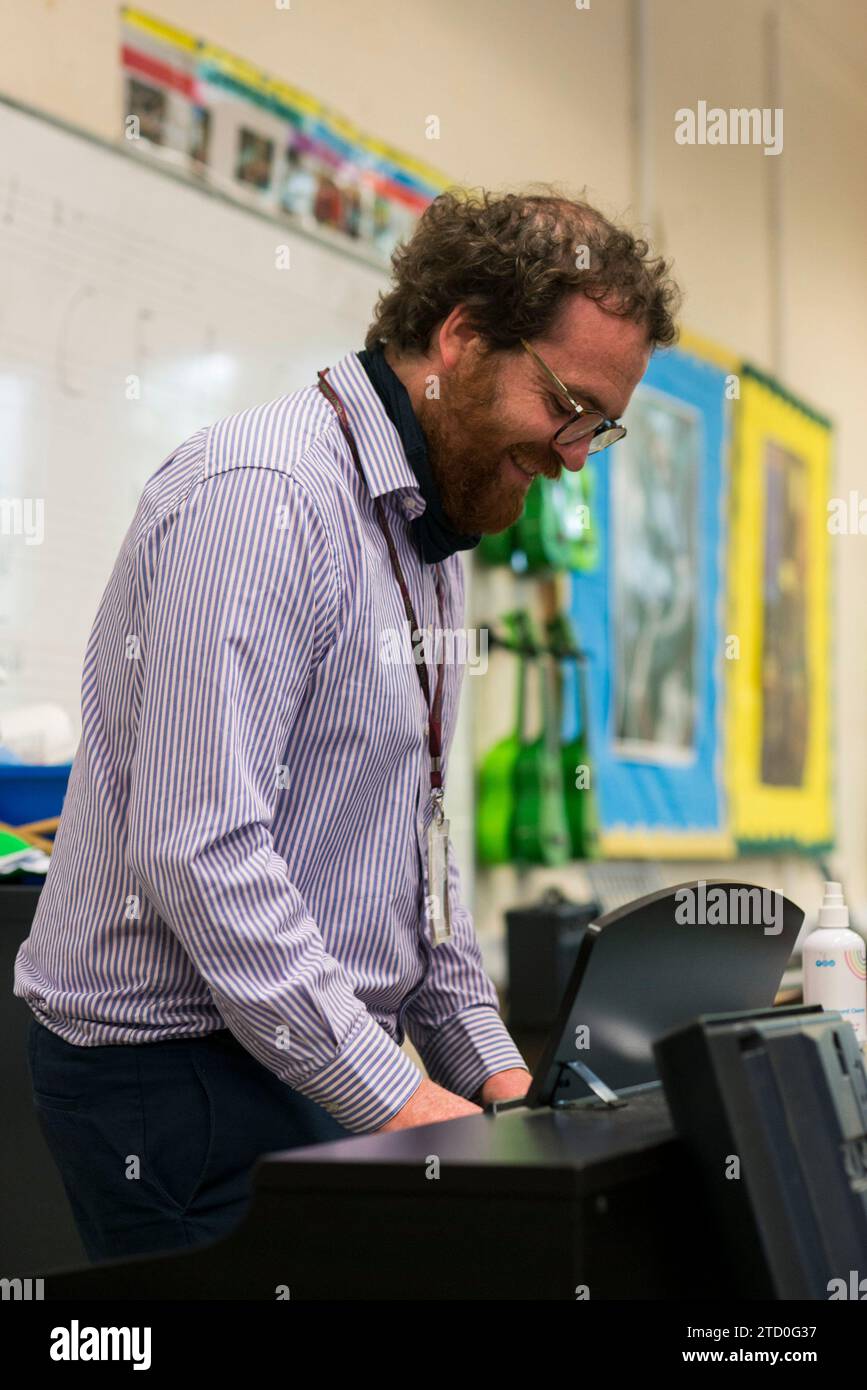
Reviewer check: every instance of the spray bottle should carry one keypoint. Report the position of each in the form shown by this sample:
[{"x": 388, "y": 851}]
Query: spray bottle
[{"x": 835, "y": 966}]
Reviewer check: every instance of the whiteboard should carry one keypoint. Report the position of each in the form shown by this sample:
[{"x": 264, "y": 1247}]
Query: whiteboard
[
  {"x": 120, "y": 276},
  {"x": 135, "y": 307}
]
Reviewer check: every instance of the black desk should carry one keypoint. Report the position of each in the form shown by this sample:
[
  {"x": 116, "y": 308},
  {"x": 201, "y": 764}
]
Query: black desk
[
  {"x": 527, "y": 1205},
  {"x": 36, "y": 1226}
]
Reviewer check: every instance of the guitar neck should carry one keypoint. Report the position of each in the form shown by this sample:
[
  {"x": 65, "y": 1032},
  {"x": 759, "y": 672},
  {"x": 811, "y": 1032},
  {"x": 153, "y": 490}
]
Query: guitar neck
[
  {"x": 550, "y": 704},
  {"x": 583, "y": 709},
  {"x": 521, "y": 698},
  {"x": 521, "y": 631}
]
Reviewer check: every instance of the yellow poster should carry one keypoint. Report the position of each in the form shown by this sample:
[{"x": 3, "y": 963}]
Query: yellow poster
[{"x": 778, "y": 642}]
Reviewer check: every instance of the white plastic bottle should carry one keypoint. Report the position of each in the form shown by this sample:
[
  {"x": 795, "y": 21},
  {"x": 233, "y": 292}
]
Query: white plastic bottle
[{"x": 835, "y": 966}]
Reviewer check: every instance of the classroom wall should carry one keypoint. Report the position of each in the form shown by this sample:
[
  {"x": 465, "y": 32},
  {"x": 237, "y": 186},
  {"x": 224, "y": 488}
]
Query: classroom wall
[{"x": 770, "y": 250}]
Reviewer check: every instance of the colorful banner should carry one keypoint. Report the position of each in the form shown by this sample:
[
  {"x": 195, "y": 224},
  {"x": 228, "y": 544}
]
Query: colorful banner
[
  {"x": 266, "y": 141},
  {"x": 779, "y": 702},
  {"x": 651, "y": 616}
]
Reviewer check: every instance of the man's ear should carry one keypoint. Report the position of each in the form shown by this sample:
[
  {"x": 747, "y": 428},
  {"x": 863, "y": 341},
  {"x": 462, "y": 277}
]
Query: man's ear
[{"x": 455, "y": 336}]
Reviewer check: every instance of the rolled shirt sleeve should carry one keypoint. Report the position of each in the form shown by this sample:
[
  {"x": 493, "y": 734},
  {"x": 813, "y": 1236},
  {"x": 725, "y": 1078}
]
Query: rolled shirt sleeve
[{"x": 244, "y": 603}]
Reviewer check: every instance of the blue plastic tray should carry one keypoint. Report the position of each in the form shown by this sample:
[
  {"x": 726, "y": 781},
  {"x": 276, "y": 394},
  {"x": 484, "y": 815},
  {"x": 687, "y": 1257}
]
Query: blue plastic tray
[{"x": 30, "y": 791}]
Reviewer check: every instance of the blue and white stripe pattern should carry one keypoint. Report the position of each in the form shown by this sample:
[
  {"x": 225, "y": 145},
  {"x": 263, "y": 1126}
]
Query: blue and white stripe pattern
[{"x": 243, "y": 836}]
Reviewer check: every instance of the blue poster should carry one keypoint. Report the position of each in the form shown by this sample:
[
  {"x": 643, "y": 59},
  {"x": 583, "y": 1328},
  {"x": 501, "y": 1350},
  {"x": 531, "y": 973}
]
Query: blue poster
[{"x": 650, "y": 617}]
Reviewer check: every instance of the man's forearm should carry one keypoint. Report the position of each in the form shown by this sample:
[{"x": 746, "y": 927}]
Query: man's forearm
[{"x": 504, "y": 1085}]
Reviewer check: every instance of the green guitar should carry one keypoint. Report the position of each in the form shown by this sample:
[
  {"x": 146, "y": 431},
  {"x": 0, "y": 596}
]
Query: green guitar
[
  {"x": 555, "y": 530},
  {"x": 580, "y": 797},
  {"x": 541, "y": 832},
  {"x": 496, "y": 548},
  {"x": 495, "y": 798}
]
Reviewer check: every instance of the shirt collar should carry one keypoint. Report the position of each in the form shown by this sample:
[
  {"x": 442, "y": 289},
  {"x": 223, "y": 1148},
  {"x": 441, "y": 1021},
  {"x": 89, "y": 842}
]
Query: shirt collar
[{"x": 383, "y": 461}]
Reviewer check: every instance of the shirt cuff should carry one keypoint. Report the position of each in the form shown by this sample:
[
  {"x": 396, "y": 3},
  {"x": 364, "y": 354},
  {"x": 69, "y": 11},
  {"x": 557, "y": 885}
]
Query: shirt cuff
[
  {"x": 468, "y": 1048},
  {"x": 367, "y": 1082}
]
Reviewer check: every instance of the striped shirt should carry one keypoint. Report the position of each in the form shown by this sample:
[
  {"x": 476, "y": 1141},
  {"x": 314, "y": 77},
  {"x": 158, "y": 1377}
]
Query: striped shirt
[{"x": 243, "y": 838}]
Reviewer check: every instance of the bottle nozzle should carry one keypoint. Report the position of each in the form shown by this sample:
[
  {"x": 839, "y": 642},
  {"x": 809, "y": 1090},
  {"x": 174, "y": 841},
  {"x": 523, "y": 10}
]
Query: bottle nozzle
[{"x": 833, "y": 912}]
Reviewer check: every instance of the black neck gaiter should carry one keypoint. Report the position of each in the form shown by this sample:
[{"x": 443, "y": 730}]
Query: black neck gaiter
[{"x": 437, "y": 539}]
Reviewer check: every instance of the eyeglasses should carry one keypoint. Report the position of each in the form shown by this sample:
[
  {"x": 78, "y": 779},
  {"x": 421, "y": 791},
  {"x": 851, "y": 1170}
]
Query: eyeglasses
[{"x": 583, "y": 422}]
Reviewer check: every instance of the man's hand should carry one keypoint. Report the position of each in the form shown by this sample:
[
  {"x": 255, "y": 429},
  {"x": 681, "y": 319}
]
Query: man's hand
[
  {"x": 426, "y": 1106},
  {"x": 505, "y": 1085}
]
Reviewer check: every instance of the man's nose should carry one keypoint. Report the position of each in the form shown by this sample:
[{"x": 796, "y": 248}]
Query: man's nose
[{"x": 574, "y": 456}]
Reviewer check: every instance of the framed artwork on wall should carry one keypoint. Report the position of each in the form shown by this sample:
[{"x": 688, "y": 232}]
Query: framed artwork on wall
[
  {"x": 778, "y": 739},
  {"x": 651, "y": 616}
]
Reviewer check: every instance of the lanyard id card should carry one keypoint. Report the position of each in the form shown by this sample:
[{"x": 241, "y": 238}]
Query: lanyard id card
[{"x": 437, "y": 886}]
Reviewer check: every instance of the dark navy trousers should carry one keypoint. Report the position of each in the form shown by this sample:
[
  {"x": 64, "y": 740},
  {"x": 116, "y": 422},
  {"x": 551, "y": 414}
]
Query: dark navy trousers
[{"x": 156, "y": 1142}]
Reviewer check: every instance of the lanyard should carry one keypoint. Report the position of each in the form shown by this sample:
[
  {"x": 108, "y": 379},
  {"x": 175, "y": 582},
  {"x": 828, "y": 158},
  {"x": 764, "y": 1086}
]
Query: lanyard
[
  {"x": 434, "y": 708},
  {"x": 436, "y": 876}
]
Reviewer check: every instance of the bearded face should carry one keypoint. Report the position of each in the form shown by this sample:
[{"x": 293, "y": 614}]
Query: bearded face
[{"x": 479, "y": 453}]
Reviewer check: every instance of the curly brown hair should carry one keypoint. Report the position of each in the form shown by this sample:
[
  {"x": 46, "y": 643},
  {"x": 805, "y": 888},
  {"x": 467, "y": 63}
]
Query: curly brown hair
[{"x": 512, "y": 259}]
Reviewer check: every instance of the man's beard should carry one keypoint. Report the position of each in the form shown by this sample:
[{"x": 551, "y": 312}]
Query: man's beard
[{"x": 468, "y": 448}]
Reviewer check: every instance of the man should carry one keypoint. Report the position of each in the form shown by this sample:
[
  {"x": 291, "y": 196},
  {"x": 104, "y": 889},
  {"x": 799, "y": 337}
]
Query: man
[{"x": 246, "y": 910}]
